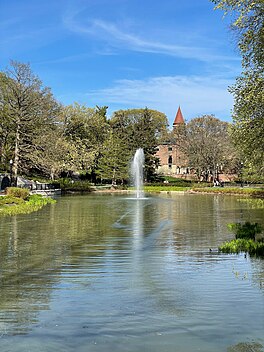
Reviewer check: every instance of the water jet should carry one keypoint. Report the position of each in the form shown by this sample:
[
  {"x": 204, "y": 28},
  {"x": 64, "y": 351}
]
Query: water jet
[{"x": 137, "y": 167}]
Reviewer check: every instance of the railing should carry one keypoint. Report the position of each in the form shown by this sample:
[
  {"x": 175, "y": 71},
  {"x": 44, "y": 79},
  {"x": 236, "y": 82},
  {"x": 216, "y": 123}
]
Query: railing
[{"x": 41, "y": 186}]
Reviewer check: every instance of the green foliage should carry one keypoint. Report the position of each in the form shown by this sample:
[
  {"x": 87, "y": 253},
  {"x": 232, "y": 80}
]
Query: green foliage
[
  {"x": 248, "y": 112},
  {"x": 34, "y": 203},
  {"x": 26, "y": 106},
  {"x": 114, "y": 161},
  {"x": 206, "y": 143},
  {"x": 243, "y": 245},
  {"x": 165, "y": 188},
  {"x": 252, "y": 192},
  {"x": 68, "y": 184},
  {"x": 140, "y": 128},
  {"x": 246, "y": 239},
  {"x": 246, "y": 230},
  {"x": 253, "y": 203},
  {"x": 17, "y": 192},
  {"x": 86, "y": 130},
  {"x": 7, "y": 200}
]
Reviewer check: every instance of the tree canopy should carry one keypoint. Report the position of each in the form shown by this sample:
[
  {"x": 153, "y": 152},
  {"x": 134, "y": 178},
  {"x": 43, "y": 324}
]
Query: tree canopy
[
  {"x": 205, "y": 142},
  {"x": 26, "y": 109},
  {"x": 248, "y": 113}
]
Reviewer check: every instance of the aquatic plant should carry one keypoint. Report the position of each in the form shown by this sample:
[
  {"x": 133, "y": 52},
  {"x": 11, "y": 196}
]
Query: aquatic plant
[
  {"x": 247, "y": 239},
  {"x": 255, "y": 203},
  {"x": 246, "y": 230},
  {"x": 243, "y": 245},
  {"x": 246, "y": 347}
]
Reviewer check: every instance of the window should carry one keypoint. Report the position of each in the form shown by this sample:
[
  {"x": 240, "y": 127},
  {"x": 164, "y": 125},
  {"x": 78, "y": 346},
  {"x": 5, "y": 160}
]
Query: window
[
  {"x": 170, "y": 149},
  {"x": 170, "y": 161}
]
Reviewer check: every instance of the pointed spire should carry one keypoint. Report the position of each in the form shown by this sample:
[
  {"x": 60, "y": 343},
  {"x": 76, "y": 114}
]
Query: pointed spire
[{"x": 178, "y": 118}]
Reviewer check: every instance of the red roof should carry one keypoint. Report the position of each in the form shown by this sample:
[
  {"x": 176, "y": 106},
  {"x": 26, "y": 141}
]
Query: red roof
[{"x": 178, "y": 118}]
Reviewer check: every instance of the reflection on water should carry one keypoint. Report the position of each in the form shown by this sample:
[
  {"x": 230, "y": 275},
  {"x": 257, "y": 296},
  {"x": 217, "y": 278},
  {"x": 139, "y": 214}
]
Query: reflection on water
[{"x": 101, "y": 273}]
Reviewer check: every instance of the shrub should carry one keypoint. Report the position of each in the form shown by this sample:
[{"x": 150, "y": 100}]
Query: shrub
[
  {"x": 17, "y": 192},
  {"x": 70, "y": 185},
  {"x": 6, "y": 200}
]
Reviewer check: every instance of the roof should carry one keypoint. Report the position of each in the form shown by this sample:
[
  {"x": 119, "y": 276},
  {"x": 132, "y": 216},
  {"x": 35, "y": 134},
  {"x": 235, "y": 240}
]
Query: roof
[{"x": 178, "y": 118}]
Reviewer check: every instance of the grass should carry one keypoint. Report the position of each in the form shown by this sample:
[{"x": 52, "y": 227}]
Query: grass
[
  {"x": 167, "y": 188},
  {"x": 252, "y": 192},
  {"x": 12, "y": 206}
]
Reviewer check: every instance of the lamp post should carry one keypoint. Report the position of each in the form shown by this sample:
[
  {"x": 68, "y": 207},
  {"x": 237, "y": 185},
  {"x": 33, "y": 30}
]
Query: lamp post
[{"x": 11, "y": 171}]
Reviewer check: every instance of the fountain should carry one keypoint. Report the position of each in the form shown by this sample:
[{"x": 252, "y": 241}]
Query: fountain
[{"x": 137, "y": 172}]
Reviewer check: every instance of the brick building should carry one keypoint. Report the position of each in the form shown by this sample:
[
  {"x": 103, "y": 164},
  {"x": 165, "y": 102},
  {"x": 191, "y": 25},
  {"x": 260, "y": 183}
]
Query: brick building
[{"x": 173, "y": 162}]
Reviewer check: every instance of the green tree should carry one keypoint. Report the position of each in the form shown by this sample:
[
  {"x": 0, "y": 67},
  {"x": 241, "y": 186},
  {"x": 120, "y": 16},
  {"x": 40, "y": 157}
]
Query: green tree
[
  {"x": 6, "y": 130},
  {"x": 53, "y": 154},
  {"x": 206, "y": 143},
  {"x": 248, "y": 91},
  {"x": 141, "y": 128},
  {"x": 114, "y": 161},
  {"x": 87, "y": 129},
  {"x": 28, "y": 107}
]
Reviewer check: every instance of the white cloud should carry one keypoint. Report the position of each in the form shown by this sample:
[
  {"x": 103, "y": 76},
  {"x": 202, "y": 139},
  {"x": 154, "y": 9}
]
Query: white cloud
[
  {"x": 121, "y": 38},
  {"x": 196, "y": 95}
]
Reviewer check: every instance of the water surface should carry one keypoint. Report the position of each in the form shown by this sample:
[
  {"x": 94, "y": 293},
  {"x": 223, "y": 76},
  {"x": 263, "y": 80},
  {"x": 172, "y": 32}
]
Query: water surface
[{"x": 107, "y": 273}]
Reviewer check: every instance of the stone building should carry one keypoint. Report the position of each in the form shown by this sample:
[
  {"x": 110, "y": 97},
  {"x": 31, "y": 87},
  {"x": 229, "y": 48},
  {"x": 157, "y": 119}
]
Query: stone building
[{"x": 173, "y": 162}]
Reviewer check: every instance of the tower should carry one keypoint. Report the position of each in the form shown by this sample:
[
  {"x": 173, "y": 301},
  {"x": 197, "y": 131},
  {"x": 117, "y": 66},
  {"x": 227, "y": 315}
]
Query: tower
[{"x": 178, "y": 119}]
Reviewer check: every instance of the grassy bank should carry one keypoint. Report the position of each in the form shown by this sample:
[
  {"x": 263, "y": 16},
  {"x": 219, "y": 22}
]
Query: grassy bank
[
  {"x": 16, "y": 202},
  {"x": 251, "y": 192},
  {"x": 167, "y": 188}
]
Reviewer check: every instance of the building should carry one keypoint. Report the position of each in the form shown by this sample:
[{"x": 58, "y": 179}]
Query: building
[{"x": 173, "y": 162}]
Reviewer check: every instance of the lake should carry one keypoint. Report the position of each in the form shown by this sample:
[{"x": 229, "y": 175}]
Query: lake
[{"x": 110, "y": 273}]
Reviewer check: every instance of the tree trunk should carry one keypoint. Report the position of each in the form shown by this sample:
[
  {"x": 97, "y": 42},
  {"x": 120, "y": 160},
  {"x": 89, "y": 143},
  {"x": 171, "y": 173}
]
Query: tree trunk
[{"x": 16, "y": 152}]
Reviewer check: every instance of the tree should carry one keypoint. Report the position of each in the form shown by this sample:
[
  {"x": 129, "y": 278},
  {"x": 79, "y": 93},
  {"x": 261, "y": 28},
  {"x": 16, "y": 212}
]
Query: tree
[
  {"x": 28, "y": 107},
  {"x": 6, "y": 131},
  {"x": 206, "y": 143},
  {"x": 87, "y": 129},
  {"x": 114, "y": 161},
  {"x": 53, "y": 154},
  {"x": 248, "y": 91},
  {"x": 141, "y": 128}
]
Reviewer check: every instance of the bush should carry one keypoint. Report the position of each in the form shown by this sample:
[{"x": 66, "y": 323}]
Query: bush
[
  {"x": 70, "y": 185},
  {"x": 7, "y": 200},
  {"x": 17, "y": 192}
]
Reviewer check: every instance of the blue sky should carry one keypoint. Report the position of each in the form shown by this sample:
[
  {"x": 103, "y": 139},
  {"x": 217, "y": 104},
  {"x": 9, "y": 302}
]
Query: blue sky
[{"x": 125, "y": 53}]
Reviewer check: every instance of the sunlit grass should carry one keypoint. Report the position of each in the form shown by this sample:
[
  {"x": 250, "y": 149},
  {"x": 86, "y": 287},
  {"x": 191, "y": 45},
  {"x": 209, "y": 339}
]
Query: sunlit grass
[{"x": 12, "y": 206}]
